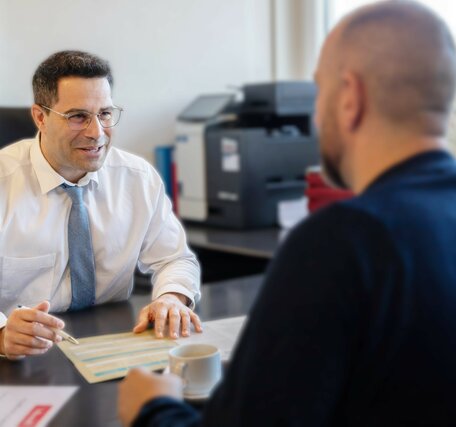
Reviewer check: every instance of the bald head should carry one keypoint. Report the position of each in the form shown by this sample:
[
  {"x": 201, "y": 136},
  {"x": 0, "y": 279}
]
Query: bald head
[{"x": 405, "y": 56}]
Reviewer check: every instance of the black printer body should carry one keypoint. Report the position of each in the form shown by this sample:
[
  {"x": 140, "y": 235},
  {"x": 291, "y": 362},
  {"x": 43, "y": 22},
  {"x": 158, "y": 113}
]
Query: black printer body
[{"x": 258, "y": 156}]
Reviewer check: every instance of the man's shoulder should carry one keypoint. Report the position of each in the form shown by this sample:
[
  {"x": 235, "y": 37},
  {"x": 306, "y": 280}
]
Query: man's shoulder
[
  {"x": 341, "y": 225},
  {"x": 14, "y": 156},
  {"x": 345, "y": 213},
  {"x": 123, "y": 160}
]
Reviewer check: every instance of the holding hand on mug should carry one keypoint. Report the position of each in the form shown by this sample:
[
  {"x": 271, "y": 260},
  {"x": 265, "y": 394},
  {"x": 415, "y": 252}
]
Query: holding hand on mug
[{"x": 196, "y": 370}]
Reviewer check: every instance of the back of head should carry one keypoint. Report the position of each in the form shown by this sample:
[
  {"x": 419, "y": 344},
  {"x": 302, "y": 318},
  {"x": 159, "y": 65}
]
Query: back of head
[
  {"x": 406, "y": 57},
  {"x": 67, "y": 63}
]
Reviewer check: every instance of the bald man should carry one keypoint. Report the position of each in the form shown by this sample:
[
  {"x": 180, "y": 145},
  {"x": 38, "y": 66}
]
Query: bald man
[{"x": 368, "y": 338}]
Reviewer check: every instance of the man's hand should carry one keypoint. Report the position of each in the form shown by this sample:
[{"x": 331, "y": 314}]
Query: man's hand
[
  {"x": 140, "y": 386},
  {"x": 168, "y": 306},
  {"x": 28, "y": 332}
]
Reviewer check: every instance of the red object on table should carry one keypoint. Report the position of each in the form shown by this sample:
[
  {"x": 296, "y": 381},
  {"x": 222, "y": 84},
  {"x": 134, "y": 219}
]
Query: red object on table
[{"x": 320, "y": 194}]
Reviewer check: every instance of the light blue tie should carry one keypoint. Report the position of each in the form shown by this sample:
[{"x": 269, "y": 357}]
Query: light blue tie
[{"x": 82, "y": 265}]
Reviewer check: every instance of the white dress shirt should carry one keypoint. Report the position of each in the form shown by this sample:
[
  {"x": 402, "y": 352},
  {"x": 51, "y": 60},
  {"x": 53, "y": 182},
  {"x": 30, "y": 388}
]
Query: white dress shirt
[{"x": 131, "y": 222}]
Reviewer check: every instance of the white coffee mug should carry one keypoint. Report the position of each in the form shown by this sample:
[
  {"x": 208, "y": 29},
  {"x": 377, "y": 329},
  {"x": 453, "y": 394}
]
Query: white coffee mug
[{"x": 199, "y": 365}]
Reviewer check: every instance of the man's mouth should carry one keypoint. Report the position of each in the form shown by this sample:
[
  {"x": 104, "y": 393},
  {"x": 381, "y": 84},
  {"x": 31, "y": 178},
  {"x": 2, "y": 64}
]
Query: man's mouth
[{"x": 91, "y": 149}]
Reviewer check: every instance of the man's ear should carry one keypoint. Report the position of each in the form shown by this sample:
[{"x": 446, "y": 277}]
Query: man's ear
[
  {"x": 352, "y": 106},
  {"x": 39, "y": 117}
]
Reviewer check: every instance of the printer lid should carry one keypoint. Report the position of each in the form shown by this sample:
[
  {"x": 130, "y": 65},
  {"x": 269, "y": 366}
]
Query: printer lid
[{"x": 206, "y": 107}]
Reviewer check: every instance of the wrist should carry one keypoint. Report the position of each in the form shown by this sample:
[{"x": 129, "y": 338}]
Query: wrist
[
  {"x": 2, "y": 347},
  {"x": 182, "y": 298}
]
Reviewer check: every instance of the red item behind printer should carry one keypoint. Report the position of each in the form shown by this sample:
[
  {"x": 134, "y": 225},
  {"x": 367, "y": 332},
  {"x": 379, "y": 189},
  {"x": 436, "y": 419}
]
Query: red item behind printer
[{"x": 320, "y": 194}]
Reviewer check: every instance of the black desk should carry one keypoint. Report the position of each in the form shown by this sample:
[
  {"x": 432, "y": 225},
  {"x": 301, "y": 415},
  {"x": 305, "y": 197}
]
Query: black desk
[
  {"x": 225, "y": 254},
  {"x": 261, "y": 243},
  {"x": 95, "y": 404}
]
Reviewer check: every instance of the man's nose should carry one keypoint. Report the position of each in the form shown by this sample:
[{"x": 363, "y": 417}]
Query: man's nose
[{"x": 94, "y": 130}]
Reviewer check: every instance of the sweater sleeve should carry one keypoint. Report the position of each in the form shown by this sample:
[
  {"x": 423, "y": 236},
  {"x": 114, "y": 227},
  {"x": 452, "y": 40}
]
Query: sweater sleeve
[{"x": 167, "y": 412}]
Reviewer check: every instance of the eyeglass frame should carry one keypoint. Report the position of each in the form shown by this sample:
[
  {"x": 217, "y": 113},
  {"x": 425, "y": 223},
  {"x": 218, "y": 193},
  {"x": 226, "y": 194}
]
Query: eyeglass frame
[{"x": 66, "y": 116}]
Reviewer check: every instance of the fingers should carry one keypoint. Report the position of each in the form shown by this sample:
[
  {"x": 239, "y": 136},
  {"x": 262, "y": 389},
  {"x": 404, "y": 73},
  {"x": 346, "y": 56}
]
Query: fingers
[
  {"x": 187, "y": 318},
  {"x": 36, "y": 332},
  {"x": 186, "y": 323},
  {"x": 135, "y": 390},
  {"x": 18, "y": 345},
  {"x": 174, "y": 322},
  {"x": 160, "y": 316},
  {"x": 33, "y": 315},
  {"x": 143, "y": 321},
  {"x": 43, "y": 306},
  {"x": 196, "y": 321},
  {"x": 168, "y": 309},
  {"x": 138, "y": 373},
  {"x": 17, "y": 350},
  {"x": 28, "y": 331}
]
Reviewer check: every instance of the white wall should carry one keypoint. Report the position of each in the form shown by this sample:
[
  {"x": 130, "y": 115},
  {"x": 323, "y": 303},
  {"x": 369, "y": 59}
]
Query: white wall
[
  {"x": 298, "y": 32},
  {"x": 163, "y": 53}
]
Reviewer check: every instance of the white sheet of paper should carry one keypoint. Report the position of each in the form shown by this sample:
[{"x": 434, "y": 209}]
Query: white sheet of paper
[
  {"x": 31, "y": 406},
  {"x": 222, "y": 333}
]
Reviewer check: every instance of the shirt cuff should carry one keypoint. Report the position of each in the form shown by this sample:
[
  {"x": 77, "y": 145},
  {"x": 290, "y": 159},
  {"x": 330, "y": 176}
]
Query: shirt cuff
[{"x": 3, "y": 320}]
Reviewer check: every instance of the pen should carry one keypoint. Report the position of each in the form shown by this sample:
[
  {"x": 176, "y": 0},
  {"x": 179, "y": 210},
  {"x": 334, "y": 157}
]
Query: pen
[
  {"x": 65, "y": 336},
  {"x": 59, "y": 332}
]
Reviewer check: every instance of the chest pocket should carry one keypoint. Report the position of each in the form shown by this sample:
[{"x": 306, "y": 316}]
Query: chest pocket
[{"x": 27, "y": 280}]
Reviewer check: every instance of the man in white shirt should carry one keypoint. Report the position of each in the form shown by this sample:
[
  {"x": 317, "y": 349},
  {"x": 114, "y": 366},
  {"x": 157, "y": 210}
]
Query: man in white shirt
[{"x": 130, "y": 218}]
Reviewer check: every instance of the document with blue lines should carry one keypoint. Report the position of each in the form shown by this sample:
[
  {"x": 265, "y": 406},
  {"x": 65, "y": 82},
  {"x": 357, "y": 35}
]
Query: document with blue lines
[{"x": 105, "y": 357}]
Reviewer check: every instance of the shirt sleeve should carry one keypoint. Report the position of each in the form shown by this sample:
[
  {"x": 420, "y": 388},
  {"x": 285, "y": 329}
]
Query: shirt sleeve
[{"x": 165, "y": 252}]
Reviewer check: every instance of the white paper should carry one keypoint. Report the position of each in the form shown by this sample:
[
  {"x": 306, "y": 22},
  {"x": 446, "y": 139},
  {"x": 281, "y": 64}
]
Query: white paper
[
  {"x": 31, "y": 406},
  {"x": 222, "y": 333},
  {"x": 290, "y": 212},
  {"x": 231, "y": 160}
]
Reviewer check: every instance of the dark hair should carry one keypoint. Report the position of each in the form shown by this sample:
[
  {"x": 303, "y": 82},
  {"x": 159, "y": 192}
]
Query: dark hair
[{"x": 65, "y": 64}]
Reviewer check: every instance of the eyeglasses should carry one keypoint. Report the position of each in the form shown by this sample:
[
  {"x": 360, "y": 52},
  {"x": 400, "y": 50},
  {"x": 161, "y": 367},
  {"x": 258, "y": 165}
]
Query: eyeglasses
[{"x": 80, "y": 120}]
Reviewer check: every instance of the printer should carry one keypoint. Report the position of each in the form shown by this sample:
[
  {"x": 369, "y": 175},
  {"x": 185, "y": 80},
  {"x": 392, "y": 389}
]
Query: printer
[{"x": 236, "y": 160}]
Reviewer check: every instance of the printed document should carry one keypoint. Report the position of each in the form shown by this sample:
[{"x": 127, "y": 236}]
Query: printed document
[
  {"x": 31, "y": 406},
  {"x": 105, "y": 357}
]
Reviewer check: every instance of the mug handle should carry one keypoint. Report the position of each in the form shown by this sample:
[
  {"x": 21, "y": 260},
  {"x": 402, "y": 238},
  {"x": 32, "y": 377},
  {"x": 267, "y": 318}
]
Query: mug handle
[{"x": 181, "y": 369}]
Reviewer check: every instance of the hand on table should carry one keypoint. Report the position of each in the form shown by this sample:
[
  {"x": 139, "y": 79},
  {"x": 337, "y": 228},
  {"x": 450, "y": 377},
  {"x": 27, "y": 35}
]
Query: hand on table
[
  {"x": 168, "y": 307},
  {"x": 28, "y": 332},
  {"x": 140, "y": 386}
]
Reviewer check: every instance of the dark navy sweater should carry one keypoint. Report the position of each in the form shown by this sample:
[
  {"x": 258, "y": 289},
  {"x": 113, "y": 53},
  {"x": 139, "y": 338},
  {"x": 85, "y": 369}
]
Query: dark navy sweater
[{"x": 356, "y": 321}]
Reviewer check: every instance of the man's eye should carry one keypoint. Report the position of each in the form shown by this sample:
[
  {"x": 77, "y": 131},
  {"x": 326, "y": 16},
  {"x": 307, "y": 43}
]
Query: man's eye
[
  {"x": 105, "y": 115},
  {"x": 78, "y": 117}
]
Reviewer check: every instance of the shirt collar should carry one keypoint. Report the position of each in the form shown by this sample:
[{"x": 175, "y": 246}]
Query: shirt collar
[{"x": 47, "y": 177}]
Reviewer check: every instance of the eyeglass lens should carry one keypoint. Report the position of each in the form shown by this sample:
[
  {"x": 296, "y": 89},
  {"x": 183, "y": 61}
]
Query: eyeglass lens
[{"x": 81, "y": 119}]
